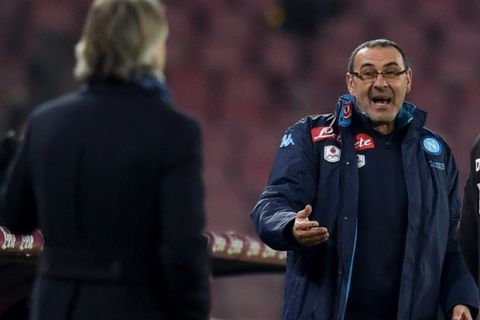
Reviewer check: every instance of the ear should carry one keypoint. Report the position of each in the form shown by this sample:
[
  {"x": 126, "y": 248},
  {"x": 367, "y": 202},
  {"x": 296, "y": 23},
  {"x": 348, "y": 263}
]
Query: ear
[
  {"x": 161, "y": 53},
  {"x": 409, "y": 79},
  {"x": 350, "y": 85}
]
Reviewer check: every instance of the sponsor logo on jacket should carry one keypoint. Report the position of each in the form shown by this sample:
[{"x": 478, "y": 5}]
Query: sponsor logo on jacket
[
  {"x": 345, "y": 116},
  {"x": 437, "y": 165},
  {"x": 363, "y": 142},
  {"x": 331, "y": 153},
  {"x": 360, "y": 160},
  {"x": 322, "y": 133},
  {"x": 287, "y": 140},
  {"x": 477, "y": 165}
]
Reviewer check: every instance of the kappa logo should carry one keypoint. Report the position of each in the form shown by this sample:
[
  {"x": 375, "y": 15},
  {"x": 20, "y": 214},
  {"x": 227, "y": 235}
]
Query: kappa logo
[
  {"x": 331, "y": 153},
  {"x": 287, "y": 140},
  {"x": 477, "y": 165},
  {"x": 360, "y": 160},
  {"x": 363, "y": 142},
  {"x": 322, "y": 133}
]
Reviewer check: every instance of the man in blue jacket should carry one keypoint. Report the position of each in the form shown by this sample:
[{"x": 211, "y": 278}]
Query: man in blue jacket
[{"x": 365, "y": 201}]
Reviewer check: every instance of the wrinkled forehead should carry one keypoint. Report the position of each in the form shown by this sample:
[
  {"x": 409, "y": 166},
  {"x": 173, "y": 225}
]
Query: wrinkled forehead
[{"x": 378, "y": 57}]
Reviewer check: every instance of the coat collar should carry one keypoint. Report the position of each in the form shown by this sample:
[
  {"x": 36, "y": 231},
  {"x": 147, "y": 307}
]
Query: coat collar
[{"x": 347, "y": 109}]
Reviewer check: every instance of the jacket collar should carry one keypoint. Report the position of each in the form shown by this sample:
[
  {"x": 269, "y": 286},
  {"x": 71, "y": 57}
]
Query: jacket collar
[
  {"x": 347, "y": 109},
  {"x": 143, "y": 83}
]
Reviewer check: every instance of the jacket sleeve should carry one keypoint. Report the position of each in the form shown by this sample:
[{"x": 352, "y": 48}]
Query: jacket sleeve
[
  {"x": 183, "y": 246},
  {"x": 17, "y": 201},
  {"x": 291, "y": 186},
  {"x": 469, "y": 219},
  {"x": 458, "y": 286}
]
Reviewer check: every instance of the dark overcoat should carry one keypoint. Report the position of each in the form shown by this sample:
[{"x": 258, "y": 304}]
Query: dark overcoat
[{"x": 111, "y": 174}]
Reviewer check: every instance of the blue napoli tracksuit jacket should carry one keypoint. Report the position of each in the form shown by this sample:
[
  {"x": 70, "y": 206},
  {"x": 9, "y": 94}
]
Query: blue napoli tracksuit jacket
[{"x": 317, "y": 164}]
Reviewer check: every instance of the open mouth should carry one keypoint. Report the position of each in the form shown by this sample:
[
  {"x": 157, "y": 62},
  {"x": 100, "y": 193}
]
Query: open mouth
[{"x": 381, "y": 100}]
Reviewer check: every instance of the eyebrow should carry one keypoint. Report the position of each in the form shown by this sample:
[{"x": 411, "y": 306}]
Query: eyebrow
[{"x": 390, "y": 64}]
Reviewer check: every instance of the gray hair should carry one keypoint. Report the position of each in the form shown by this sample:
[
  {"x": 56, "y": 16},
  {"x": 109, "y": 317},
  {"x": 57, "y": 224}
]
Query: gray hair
[{"x": 384, "y": 43}]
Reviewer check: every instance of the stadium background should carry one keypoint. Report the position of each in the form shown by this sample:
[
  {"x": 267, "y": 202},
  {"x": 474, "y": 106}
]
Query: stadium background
[{"x": 247, "y": 69}]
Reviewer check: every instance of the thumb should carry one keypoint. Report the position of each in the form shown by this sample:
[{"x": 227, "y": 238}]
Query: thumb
[{"x": 305, "y": 213}]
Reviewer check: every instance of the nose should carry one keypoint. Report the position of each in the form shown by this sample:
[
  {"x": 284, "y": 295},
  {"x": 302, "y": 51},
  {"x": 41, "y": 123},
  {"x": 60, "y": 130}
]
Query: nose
[{"x": 380, "y": 81}]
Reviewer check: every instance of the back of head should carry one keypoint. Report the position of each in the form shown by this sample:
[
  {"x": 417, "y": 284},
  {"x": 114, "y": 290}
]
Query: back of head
[{"x": 120, "y": 39}]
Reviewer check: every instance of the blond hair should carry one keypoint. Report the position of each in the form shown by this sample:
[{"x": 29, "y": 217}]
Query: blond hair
[{"x": 119, "y": 39}]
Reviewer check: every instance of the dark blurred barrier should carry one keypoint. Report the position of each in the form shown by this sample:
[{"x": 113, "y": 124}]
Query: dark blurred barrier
[
  {"x": 232, "y": 253},
  {"x": 20, "y": 246}
]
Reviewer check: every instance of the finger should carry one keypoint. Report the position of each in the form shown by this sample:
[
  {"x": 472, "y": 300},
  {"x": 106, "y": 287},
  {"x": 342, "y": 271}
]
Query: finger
[
  {"x": 466, "y": 314},
  {"x": 309, "y": 242},
  {"x": 307, "y": 225},
  {"x": 314, "y": 235},
  {"x": 317, "y": 231},
  {"x": 317, "y": 239},
  {"x": 312, "y": 232},
  {"x": 305, "y": 213}
]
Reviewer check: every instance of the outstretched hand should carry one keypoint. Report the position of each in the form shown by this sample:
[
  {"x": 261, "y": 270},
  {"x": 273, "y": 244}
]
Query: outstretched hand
[{"x": 306, "y": 232}]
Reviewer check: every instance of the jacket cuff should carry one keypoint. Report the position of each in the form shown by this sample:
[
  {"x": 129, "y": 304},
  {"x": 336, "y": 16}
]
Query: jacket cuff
[{"x": 288, "y": 234}]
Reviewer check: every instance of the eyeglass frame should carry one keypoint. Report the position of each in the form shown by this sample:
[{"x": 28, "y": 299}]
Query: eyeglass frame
[{"x": 394, "y": 74}]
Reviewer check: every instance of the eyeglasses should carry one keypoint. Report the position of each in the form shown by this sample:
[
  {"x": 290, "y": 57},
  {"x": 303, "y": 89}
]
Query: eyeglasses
[{"x": 372, "y": 75}]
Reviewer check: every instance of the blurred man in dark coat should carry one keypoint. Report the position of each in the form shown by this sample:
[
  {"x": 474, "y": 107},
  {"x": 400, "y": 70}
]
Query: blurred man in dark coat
[
  {"x": 111, "y": 174},
  {"x": 469, "y": 224}
]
